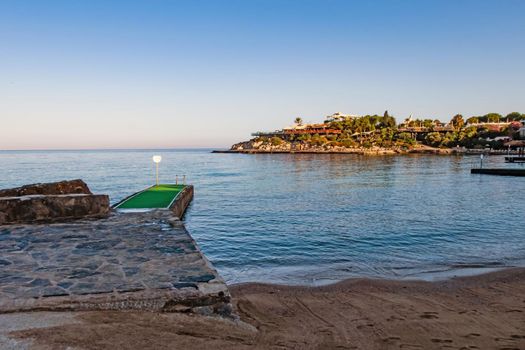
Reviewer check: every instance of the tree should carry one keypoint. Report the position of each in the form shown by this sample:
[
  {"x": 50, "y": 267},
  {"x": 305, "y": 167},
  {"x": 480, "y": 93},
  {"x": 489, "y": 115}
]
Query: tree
[
  {"x": 276, "y": 141},
  {"x": 406, "y": 137},
  {"x": 457, "y": 121},
  {"x": 514, "y": 116},
  {"x": 298, "y": 121},
  {"x": 348, "y": 143},
  {"x": 387, "y": 134},
  {"x": 449, "y": 139},
  {"x": 433, "y": 139},
  {"x": 388, "y": 122},
  {"x": 304, "y": 137},
  {"x": 493, "y": 117},
  {"x": 471, "y": 132},
  {"x": 336, "y": 125},
  {"x": 318, "y": 140},
  {"x": 428, "y": 123},
  {"x": 473, "y": 120},
  {"x": 385, "y": 115}
]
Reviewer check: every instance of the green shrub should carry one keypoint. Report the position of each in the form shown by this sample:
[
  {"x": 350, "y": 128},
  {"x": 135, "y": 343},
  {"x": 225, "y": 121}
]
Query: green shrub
[
  {"x": 348, "y": 143},
  {"x": 433, "y": 139},
  {"x": 276, "y": 141}
]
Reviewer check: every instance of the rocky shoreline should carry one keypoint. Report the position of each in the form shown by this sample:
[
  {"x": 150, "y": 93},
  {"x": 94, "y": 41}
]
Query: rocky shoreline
[{"x": 255, "y": 146}]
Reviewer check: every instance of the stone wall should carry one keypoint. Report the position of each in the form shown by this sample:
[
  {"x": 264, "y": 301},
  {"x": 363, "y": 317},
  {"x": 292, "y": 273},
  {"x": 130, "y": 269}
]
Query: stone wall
[{"x": 51, "y": 188}]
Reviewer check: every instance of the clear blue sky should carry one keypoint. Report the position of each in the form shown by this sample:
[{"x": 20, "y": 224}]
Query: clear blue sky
[{"x": 105, "y": 74}]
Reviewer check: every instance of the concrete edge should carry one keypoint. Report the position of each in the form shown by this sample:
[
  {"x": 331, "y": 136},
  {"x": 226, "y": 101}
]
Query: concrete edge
[
  {"x": 186, "y": 300},
  {"x": 181, "y": 201}
]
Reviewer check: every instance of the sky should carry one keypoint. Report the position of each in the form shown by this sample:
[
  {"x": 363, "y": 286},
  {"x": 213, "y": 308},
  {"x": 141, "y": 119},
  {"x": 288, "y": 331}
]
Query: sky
[{"x": 168, "y": 74}]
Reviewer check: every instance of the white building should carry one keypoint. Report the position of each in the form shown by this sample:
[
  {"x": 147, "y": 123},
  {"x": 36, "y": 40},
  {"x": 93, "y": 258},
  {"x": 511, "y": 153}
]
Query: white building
[{"x": 340, "y": 116}]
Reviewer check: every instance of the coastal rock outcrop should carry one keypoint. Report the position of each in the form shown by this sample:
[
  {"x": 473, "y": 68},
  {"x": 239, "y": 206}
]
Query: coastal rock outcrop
[
  {"x": 258, "y": 146},
  {"x": 51, "y": 202},
  {"x": 50, "y": 188}
]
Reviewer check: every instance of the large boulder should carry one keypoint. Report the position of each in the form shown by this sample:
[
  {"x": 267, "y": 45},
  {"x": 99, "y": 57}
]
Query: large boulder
[
  {"x": 40, "y": 208},
  {"x": 51, "y": 202},
  {"x": 50, "y": 188}
]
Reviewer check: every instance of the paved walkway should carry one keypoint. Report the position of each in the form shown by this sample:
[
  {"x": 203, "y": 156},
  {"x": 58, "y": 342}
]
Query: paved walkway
[{"x": 127, "y": 261}]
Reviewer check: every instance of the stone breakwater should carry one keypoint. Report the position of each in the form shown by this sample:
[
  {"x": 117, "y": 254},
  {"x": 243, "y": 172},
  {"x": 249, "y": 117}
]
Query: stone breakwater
[{"x": 144, "y": 261}]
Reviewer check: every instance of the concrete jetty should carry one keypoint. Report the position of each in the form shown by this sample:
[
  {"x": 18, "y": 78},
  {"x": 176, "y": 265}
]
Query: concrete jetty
[
  {"x": 175, "y": 198},
  {"x": 138, "y": 260}
]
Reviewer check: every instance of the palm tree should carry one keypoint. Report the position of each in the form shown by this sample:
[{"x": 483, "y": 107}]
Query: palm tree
[
  {"x": 457, "y": 121},
  {"x": 298, "y": 121}
]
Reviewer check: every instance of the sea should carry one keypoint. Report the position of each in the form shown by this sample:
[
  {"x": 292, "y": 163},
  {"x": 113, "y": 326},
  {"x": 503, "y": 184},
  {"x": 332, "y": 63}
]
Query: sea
[{"x": 314, "y": 219}]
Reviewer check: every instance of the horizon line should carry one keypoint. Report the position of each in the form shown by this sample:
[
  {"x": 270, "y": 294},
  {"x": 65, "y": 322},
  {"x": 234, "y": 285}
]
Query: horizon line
[{"x": 109, "y": 149}]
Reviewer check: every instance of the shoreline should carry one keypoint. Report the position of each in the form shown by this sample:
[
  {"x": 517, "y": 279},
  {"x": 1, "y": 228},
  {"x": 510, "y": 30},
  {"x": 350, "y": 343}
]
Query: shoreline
[
  {"x": 477, "y": 312},
  {"x": 423, "y": 276},
  {"x": 434, "y": 151},
  {"x": 349, "y": 151},
  {"x": 489, "y": 275}
]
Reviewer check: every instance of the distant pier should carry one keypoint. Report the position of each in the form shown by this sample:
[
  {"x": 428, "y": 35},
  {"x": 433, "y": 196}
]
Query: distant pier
[
  {"x": 500, "y": 172},
  {"x": 515, "y": 159}
]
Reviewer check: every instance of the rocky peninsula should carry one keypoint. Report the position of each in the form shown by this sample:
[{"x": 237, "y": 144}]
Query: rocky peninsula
[
  {"x": 381, "y": 135},
  {"x": 259, "y": 145}
]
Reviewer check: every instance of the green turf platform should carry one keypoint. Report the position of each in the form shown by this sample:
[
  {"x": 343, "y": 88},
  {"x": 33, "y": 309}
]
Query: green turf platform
[{"x": 160, "y": 196}]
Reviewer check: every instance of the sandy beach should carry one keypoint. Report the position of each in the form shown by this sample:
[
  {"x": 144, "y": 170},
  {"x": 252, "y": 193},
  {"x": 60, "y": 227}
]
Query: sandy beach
[{"x": 478, "y": 312}]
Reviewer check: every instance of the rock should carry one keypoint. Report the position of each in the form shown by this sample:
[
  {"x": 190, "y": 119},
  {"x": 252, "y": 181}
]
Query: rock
[
  {"x": 41, "y": 208},
  {"x": 197, "y": 278},
  {"x": 51, "y": 202},
  {"x": 203, "y": 310},
  {"x": 40, "y": 282},
  {"x": 52, "y": 188}
]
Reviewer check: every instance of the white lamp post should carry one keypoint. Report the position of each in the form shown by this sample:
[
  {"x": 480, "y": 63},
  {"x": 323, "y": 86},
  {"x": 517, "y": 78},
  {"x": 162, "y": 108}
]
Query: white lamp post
[{"x": 156, "y": 160}]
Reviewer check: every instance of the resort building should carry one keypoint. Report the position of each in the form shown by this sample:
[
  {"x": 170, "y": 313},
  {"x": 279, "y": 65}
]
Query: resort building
[
  {"x": 300, "y": 129},
  {"x": 312, "y": 129},
  {"x": 338, "y": 116},
  {"x": 499, "y": 125}
]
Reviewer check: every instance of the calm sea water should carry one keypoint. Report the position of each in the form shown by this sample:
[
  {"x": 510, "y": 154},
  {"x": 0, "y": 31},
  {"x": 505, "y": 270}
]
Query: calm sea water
[{"x": 314, "y": 219}]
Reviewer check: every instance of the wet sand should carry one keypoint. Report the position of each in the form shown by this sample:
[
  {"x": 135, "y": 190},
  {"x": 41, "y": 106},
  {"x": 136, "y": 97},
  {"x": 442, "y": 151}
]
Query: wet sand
[{"x": 479, "y": 312}]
